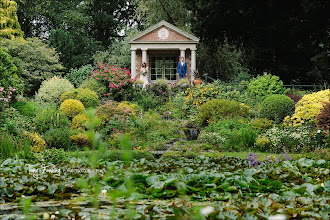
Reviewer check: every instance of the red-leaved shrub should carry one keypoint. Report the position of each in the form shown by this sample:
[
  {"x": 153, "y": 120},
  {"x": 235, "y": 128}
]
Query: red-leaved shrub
[
  {"x": 294, "y": 97},
  {"x": 323, "y": 119}
]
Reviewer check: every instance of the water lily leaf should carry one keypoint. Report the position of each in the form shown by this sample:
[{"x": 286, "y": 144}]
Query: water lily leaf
[
  {"x": 158, "y": 185},
  {"x": 18, "y": 187},
  {"x": 305, "y": 162},
  {"x": 41, "y": 188},
  {"x": 327, "y": 186},
  {"x": 52, "y": 189},
  {"x": 65, "y": 212},
  {"x": 300, "y": 190},
  {"x": 152, "y": 179},
  {"x": 276, "y": 184}
]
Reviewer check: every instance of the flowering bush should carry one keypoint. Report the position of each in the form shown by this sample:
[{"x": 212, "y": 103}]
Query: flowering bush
[
  {"x": 276, "y": 107},
  {"x": 38, "y": 144},
  {"x": 6, "y": 95},
  {"x": 213, "y": 138},
  {"x": 119, "y": 82},
  {"x": 265, "y": 85},
  {"x": 160, "y": 89},
  {"x": 256, "y": 160},
  {"x": 308, "y": 108},
  {"x": 200, "y": 94},
  {"x": 71, "y": 108},
  {"x": 51, "y": 90},
  {"x": 295, "y": 140}
]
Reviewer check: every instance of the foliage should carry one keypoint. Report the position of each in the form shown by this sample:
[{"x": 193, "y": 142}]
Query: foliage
[
  {"x": 38, "y": 144},
  {"x": 308, "y": 108},
  {"x": 205, "y": 182},
  {"x": 14, "y": 146},
  {"x": 13, "y": 122},
  {"x": 95, "y": 86},
  {"x": 51, "y": 90},
  {"x": 81, "y": 139},
  {"x": 78, "y": 76},
  {"x": 213, "y": 138},
  {"x": 119, "y": 52},
  {"x": 78, "y": 121},
  {"x": 117, "y": 80},
  {"x": 160, "y": 90},
  {"x": 35, "y": 61},
  {"x": 25, "y": 108},
  {"x": 295, "y": 97},
  {"x": 297, "y": 51},
  {"x": 220, "y": 108},
  {"x": 58, "y": 138},
  {"x": 265, "y": 85},
  {"x": 6, "y": 96},
  {"x": 71, "y": 108},
  {"x": 8, "y": 71},
  {"x": 323, "y": 119},
  {"x": 276, "y": 107},
  {"x": 261, "y": 124},
  {"x": 87, "y": 97},
  {"x": 49, "y": 117},
  {"x": 294, "y": 140},
  {"x": 10, "y": 27},
  {"x": 256, "y": 160}
]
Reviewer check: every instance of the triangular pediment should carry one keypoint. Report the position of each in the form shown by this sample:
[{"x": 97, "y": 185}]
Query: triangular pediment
[{"x": 162, "y": 32}]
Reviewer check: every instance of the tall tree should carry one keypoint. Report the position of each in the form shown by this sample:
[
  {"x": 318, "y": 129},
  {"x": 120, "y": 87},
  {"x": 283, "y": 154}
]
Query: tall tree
[
  {"x": 285, "y": 38},
  {"x": 9, "y": 26}
]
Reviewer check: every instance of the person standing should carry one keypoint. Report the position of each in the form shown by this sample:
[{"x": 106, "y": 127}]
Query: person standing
[
  {"x": 144, "y": 73},
  {"x": 182, "y": 68}
]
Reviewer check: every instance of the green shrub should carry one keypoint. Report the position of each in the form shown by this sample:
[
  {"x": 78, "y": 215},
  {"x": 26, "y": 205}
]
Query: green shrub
[
  {"x": 265, "y": 85},
  {"x": 276, "y": 107},
  {"x": 161, "y": 90},
  {"x": 87, "y": 97},
  {"x": 71, "y": 108},
  {"x": 261, "y": 124},
  {"x": 13, "y": 122},
  {"x": 25, "y": 108},
  {"x": 51, "y": 90},
  {"x": 53, "y": 155},
  {"x": 219, "y": 108},
  {"x": 58, "y": 138},
  {"x": 80, "y": 138},
  {"x": 35, "y": 61},
  {"x": 95, "y": 86},
  {"x": 146, "y": 100},
  {"x": 77, "y": 76},
  {"x": 49, "y": 117},
  {"x": 8, "y": 71}
]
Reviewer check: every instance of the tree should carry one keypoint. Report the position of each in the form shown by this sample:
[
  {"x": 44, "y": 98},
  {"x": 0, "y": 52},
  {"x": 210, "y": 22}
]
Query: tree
[
  {"x": 35, "y": 62},
  {"x": 282, "y": 40},
  {"x": 9, "y": 26},
  {"x": 8, "y": 71}
]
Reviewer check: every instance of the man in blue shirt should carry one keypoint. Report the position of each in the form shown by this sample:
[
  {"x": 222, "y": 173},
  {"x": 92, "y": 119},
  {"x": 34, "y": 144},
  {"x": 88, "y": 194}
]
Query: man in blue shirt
[{"x": 182, "y": 68}]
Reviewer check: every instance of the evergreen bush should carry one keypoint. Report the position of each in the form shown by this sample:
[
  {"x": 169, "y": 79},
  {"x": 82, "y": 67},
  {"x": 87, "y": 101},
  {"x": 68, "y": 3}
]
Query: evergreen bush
[
  {"x": 276, "y": 107},
  {"x": 87, "y": 97},
  {"x": 72, "y": 107},
  {"x": 25, "y": 108},
  {"x": 51, "y": 90},
  {"x": 95, "y": 86},
  {"x": 265, "y": 85},
  {"x": 58, "y": 138},
  {"x": 220, "y": 108},
  {"x": 77, "y": 76}
]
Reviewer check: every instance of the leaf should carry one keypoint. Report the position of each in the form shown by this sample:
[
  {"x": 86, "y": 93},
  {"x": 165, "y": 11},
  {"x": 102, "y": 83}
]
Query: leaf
[
  {"x": 158, "y": 185},
  {"x": 41, "y": 188},
  {"x": 305, "y": 162},
  {"x": 18, "y": 187},
  {"x": 327, "y": 186},
  {"x": 52, "y": 189},
  {"x": 152, "y": 179}
]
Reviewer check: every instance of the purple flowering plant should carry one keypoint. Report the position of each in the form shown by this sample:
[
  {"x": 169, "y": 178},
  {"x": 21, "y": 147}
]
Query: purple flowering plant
[{"x": 256, "y": 160}]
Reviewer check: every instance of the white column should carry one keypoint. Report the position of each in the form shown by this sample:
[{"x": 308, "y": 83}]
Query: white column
[
  {"x": 193, "y": 63},
  {"x": 133, "y": 63},
  {"x": 144, "y": 56},
  {"x": 183, "y": 53}
]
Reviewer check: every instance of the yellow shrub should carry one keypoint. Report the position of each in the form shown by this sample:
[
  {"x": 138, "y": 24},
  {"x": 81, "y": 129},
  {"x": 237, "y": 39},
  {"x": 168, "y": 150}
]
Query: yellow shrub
[
  {"x": 81, "y": 139},
  {"x": 307, "y": 109},
  {"x": 38, "y": 144},
  {"x": 78, "y": 121},
  {"x": 263, "y": 143},
  {"x": 71, "y": 107}
]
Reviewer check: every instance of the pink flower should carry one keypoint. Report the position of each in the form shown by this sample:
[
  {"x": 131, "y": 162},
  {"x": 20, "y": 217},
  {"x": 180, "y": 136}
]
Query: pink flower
[
  {"x": 119, "y": 92},
  {"x": 87, "y": 77},
  {"x": 107, "y": 71},
  {"x": 105, "y": 95},
  {"x": 97, "y": 78}
]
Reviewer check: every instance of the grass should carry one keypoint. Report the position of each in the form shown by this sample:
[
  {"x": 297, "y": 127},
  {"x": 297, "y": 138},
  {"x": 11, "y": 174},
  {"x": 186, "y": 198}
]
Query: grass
[{"x": 243, "y": 154}]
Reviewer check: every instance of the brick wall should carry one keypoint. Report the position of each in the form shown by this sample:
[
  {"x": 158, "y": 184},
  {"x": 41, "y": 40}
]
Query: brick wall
[{"x": 172, "y": 36}]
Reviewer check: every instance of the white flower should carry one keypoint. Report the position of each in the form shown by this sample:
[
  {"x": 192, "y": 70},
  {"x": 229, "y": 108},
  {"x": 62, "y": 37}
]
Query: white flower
[
  {"x": 103, "y": 191},
  {"x": 52, "y": 217},
  {"x": 45, "y": 215},
  {"x": 57, "y": 212},
  {"x": 207, "y": 210},
  {"x": 322, "y": 184},
  {"x": 23, "y": 196},
  {"x": 277, "y": 217}
]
